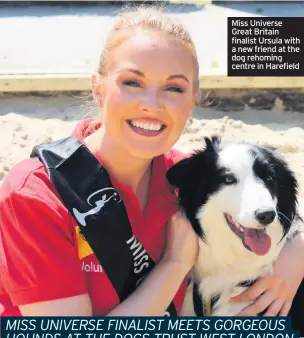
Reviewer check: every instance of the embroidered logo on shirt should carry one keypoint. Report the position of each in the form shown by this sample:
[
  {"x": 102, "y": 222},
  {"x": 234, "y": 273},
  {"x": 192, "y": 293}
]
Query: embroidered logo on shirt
[
  {"x": 108, "y": 194},
  {"x": 84, "y": 249}
]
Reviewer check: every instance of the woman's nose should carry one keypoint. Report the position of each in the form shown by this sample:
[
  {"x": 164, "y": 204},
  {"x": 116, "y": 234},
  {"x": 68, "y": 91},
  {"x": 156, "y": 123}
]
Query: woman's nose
[{"x": 151, "y": 102}]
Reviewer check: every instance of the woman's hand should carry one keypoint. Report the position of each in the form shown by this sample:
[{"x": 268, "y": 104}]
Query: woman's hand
[
  {"x": 272, "y": 292},
  {"x": 182, "y": 242},
  {"x": 275, "y": 292}
]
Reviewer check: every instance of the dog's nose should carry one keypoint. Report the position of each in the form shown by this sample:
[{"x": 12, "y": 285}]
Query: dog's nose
[{"x": 265, "y": 217}]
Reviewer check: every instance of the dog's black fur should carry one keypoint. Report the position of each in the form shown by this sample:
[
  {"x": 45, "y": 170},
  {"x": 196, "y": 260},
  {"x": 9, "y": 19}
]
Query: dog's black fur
[{"x": 200, "y": 176}]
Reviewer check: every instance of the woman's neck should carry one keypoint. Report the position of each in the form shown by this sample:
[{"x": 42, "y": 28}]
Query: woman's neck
[{"x": 130, "y": 171}]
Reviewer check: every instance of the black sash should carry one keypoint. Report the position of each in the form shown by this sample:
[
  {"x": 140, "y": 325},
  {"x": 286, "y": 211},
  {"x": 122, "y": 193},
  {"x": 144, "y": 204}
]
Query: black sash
[{"x": 87, "y": 192}]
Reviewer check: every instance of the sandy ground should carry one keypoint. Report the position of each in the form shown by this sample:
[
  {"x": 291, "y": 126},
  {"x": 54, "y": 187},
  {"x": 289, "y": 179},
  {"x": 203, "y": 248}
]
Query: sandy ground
[{"x": 29, "y": 120}]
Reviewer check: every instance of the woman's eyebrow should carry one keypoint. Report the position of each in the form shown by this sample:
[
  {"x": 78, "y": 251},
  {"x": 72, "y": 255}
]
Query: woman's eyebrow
[
  {"x": 138, "y": 72},
  {"x": 178, "y": 76},
  {"x": 135, "y": 71}
]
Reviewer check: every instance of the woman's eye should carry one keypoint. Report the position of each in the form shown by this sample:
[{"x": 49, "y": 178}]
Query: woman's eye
[
  {"x": 132, "y": 84},
  {"x": 175, "y": 89}
]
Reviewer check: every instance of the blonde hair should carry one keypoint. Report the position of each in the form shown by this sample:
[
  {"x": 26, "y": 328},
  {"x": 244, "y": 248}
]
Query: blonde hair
[{"x": 150, "y": 19}]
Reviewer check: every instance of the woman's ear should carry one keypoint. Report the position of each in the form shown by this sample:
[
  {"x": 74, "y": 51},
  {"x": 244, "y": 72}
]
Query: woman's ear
[
  {"x": 96, "y": 89},
  {"x": 197, "y": 97}
]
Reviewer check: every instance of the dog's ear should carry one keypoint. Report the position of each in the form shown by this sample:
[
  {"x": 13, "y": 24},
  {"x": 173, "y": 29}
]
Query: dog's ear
[
  {"x": 177, "y": 173},
  {"x": 213, "y": 142},
  {"x": 273, "y": 150}
]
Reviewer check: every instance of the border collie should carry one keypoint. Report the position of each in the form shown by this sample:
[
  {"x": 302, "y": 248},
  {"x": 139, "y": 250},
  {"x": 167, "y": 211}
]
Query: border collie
[{"x": 241, "y": 200}]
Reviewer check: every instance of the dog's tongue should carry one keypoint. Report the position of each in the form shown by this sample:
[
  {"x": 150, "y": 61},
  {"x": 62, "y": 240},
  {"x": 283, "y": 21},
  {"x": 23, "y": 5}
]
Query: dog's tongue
[{"x": 257, "y": 240}]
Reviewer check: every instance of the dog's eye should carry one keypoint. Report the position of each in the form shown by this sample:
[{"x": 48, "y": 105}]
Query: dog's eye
[
  {"x": 230, "y": 179},
  {"x": 269, "y": 178}
]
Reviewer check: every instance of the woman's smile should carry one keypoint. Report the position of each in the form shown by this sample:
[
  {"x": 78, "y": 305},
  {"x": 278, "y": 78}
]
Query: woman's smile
[{"x": 147, "y": 127}]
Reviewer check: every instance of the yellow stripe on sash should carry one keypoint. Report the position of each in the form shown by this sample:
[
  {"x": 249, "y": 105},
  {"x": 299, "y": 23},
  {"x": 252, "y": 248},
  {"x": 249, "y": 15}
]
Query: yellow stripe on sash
[{"x": 84, "y": 249}]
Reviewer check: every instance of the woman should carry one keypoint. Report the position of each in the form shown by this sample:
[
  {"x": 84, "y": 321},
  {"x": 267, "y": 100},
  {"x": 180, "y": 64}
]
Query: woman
[{"x": 147, "y": 85}]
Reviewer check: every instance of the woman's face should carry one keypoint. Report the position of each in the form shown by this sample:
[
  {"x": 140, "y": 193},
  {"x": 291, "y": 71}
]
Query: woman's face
[{"x": 147, "y": 94}]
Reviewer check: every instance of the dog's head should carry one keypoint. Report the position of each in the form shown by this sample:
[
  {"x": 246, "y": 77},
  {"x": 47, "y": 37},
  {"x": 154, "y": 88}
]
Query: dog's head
[{"x": 237, "y": 193}]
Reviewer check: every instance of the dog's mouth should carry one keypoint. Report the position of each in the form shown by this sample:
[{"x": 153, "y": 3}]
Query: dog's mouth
[{"x": 255, "y": 240}]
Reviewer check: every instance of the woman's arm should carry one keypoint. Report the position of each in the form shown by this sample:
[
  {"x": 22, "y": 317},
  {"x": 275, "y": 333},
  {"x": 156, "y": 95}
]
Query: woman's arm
[
  {"x": 70, "y": 306},
  {"x": 150, "y": 299},
  {"x": 155, "y": 293}
]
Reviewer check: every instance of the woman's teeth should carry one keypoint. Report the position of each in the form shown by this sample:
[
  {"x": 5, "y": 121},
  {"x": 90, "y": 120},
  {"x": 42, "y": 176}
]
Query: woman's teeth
[{"x": 147, "y": 126}]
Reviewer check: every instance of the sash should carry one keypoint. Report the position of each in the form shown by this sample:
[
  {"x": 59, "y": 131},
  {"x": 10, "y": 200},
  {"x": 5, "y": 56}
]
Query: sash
[{"x": 85, "y": 188}]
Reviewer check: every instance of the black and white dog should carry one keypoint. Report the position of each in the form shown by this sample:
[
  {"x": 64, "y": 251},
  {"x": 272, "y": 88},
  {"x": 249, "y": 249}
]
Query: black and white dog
[{"x": 241, "y": 200}]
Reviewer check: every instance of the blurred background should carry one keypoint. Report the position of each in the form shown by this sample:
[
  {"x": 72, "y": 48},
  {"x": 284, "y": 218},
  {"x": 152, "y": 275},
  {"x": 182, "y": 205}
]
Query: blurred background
[{"x": 49, "y": 49}]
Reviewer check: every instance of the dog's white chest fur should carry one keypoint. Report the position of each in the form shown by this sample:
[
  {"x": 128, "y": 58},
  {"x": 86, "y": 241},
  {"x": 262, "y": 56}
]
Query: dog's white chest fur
[{"x": 221, "y": 283}]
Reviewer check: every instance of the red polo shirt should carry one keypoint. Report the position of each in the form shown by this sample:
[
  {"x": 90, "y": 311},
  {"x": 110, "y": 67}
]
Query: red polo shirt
[{"x": 42, "y": 255}]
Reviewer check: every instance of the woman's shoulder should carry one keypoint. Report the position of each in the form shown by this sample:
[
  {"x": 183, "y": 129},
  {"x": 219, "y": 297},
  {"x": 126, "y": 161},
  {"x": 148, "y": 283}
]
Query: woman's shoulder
[
  {"x": 27, "y": 179},
  {"x": 28, "y": 198}
]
